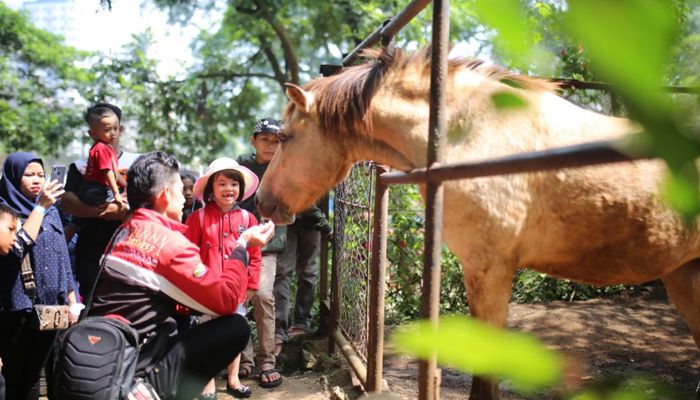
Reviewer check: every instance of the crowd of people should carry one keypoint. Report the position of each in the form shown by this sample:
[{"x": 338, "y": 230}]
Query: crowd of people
[{"x": 181, "y": 259}]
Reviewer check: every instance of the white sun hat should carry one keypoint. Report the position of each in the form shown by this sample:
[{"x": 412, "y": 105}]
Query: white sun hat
[{"x": 250, "y": 180}]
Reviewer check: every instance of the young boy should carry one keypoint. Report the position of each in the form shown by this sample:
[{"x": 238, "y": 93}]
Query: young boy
[
  {"x": 102, "y": 181},
  {"x": 265, "y": 140},
  {"x": 8, "y": 229},
  {"x": 8, "y": 237}
]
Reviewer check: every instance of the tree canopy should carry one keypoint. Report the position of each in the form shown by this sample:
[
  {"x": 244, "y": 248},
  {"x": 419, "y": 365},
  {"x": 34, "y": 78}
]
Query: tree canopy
[{"x": 38, "y": 81}]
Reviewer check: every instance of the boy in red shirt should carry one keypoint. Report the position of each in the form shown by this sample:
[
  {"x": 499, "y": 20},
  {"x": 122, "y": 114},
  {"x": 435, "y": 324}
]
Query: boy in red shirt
[{"x": 102, "y": 179}]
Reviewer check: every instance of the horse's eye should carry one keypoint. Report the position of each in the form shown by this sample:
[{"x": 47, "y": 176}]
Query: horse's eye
[{"x": 282, "y": 136}]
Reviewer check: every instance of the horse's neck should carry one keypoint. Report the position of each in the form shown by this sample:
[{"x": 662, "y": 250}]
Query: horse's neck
[
  {"x": 399, "y": 137},
  {"x": 476, "y": 129}
]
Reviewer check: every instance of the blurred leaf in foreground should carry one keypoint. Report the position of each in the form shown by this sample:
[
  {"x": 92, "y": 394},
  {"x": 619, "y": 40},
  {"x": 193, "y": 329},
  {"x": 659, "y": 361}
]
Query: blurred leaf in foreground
[{"x": 475, "y": 347}]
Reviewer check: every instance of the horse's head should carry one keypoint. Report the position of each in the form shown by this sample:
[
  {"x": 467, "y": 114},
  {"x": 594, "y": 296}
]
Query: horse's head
[{"x": 306, "y": 165}]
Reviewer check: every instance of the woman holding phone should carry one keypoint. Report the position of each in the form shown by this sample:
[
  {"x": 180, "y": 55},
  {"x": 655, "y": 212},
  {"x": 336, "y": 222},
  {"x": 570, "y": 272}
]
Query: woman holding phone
[{"x": 23, "y": 347}]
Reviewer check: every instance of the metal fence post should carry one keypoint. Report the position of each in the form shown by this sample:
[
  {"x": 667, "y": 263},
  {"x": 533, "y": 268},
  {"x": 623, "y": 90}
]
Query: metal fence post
[
  {"x": 428, "y": 375},
  {"x": 375, "y": 345},
  {"x": 324, "y": 303}
]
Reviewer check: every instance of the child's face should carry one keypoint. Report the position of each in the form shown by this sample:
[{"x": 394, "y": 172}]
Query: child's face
[
  {"x": 226, "y": 191},
  {"x": 8, "y": 233},
  {"x": 106, "y": 130},
  {"x": 265, "y": 146},
  {"x": 187, "y": 186}
]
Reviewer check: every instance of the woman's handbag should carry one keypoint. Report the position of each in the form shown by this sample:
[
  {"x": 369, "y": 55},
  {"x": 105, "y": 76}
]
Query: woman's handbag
[
  {"x": 49, "y": 317},
  {"x": 52, "y": 318}
]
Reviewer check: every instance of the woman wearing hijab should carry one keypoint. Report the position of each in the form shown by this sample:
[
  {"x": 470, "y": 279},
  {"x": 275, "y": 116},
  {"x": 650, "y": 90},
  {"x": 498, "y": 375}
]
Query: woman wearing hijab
[{"x": 23, "y": 347}]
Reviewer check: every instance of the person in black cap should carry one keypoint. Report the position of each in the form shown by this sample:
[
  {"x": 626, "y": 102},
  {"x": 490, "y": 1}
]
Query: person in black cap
[{"x": 265, "y": 140}]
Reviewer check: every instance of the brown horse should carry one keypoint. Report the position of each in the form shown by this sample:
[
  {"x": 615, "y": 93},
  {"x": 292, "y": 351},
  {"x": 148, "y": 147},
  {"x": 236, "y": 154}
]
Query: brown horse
[{"x": 600, "y": 225}]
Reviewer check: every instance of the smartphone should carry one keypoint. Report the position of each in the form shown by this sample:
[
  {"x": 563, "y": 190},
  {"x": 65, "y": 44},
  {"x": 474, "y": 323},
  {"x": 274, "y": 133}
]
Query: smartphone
[{"x": 58, "y": 173}]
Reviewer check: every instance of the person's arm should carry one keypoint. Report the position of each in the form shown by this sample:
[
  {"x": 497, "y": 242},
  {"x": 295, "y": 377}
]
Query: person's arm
[
  {"x": 211, "y": 290},
  {"x": 48, "y": 197},
  {"x": 254, "y": 261},
  {"x": 71, "y": 203},
  {"x": 112, "y": 180}
]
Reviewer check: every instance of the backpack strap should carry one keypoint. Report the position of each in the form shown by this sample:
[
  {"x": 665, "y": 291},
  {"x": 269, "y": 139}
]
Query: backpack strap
[{"x": 27, "y": 275}]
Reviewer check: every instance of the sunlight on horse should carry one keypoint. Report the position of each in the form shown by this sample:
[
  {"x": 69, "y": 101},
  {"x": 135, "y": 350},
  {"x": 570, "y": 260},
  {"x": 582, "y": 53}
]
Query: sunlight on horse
[{"x": 600, "y": 225}]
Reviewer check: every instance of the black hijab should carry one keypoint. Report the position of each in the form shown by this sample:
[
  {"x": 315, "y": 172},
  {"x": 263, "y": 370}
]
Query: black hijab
[{"x": 12, "y": 173}]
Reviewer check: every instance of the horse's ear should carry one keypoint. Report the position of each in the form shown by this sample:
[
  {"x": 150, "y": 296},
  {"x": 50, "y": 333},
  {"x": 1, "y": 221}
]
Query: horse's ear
[{"x": 302, "y": 98}]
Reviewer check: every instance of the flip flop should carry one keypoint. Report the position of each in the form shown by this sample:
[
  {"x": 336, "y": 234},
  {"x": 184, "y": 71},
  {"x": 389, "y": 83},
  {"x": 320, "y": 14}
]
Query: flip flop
[{"x": 270, "y": 384}]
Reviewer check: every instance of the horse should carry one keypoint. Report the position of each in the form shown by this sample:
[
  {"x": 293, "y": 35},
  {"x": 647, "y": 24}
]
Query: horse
[{"x": 600, "y": 225}]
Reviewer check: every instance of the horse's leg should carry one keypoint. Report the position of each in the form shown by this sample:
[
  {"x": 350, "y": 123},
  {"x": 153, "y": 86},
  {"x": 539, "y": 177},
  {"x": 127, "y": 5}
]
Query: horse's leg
[
  {"x": 683, "y": 287},
  {"x": 488, "y": 291}
]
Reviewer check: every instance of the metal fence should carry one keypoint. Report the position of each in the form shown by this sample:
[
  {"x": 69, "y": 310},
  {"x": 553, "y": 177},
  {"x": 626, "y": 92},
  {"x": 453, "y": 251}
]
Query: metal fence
[
  {"x": 352, "y": 207},
  {"x": 371, "y": 304}
]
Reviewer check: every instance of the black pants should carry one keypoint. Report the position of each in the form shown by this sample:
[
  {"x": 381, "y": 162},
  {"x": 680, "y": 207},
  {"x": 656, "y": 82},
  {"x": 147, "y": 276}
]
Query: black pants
[
  {"x": 23, "y": 349},
  {"x": 2, "y": 387},
  {"x": 196, "y": 356}
]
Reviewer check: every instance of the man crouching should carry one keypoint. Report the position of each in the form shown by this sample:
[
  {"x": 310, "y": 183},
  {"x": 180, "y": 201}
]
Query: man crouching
[{"x": 151, "y": 268}]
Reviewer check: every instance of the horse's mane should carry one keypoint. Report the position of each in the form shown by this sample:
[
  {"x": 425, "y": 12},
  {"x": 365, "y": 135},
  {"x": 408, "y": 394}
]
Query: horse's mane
[{"x": 342, "y": 101}]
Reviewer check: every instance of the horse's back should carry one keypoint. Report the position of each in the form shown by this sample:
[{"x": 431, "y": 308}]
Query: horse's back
[{"x": 602, "y": 225}]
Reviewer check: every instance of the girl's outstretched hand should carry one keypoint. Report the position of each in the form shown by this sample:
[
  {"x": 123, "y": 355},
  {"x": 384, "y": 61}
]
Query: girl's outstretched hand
[{"x": 259, "y": 235}]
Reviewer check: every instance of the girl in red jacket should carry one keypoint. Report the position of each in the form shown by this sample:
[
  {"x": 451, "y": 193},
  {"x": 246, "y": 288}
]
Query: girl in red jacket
[{"x": 215, "y": 229}]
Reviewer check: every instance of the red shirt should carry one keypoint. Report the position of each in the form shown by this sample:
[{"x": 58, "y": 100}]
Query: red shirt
[
  {"x": 218, "y": 238},
  {"x": 101, "y": 157}
]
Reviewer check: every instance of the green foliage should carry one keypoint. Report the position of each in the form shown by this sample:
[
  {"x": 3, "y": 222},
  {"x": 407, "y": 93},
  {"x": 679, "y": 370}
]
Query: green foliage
[
  {"x": 531, "y": 286},
  {"x": 628, "y": 388},
  {"x": 475, "y": 347},
  {"x": 38, "y": 76},
  {"x": 405, "y": 262}
]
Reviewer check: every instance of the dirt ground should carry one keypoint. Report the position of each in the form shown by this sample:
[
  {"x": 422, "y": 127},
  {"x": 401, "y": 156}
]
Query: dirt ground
[{"x": 602, "y": 338}]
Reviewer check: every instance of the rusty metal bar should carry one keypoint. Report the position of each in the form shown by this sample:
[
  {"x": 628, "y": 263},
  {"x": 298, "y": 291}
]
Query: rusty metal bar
[
  {"x": 388, "y": 29},
  {"x": 428, "y": 374},
  {"x": 595, "y": 85},
  {"x": 323, "y": 312},
  {"x": 334, "y": 313},
  {"x": 354, "y": 359},
  {"x": 378, "y": 245},
  {"x": 594, "y": 153}
]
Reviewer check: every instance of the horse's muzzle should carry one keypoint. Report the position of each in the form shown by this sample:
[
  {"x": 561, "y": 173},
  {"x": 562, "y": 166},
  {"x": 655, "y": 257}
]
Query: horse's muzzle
[{"x": 271, "y": 208}]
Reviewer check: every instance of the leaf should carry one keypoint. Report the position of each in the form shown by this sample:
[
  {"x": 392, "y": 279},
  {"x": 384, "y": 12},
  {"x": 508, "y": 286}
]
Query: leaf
[
  {"x": 507, "y": 18},
  {"x": 629, "y": 41},
  {"x": 507, "y": 100},
  {"x": 475, "y": 347}
]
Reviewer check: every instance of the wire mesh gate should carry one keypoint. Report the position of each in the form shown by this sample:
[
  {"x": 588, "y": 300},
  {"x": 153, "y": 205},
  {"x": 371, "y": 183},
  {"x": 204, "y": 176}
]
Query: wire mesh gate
[{"x": 352, "y": 208}]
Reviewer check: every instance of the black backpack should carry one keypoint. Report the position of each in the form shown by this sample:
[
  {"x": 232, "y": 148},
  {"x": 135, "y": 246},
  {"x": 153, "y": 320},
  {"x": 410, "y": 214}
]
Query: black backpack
[{"x": 95, "y": 359}]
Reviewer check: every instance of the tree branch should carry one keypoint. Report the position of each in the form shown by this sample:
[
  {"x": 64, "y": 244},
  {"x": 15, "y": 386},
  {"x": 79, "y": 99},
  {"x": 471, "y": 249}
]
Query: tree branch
[
  {"x": 290, "y": 57},
  {"x": 272, "y": 59}
]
